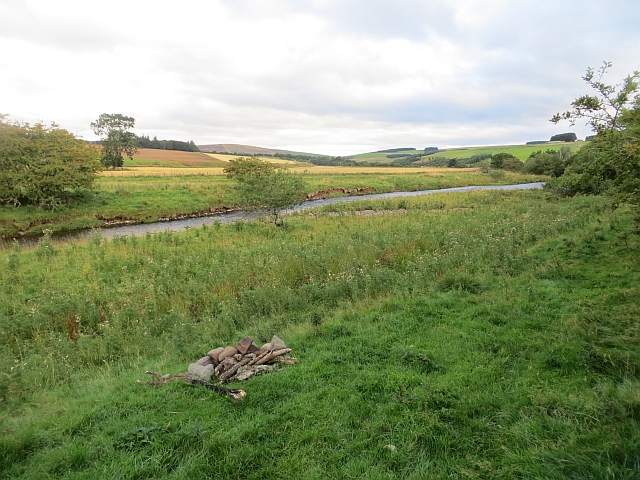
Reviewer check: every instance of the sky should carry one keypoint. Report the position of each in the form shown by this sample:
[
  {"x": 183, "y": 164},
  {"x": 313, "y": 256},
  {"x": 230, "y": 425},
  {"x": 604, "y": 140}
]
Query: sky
[{"x": 336, "y": 77}]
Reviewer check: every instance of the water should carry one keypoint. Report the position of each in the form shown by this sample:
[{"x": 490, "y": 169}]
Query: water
[{"x": 180, "y": 225}]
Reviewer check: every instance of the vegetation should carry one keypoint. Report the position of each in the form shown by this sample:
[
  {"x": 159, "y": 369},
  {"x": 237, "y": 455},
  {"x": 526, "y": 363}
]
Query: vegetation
[
  {"x": 43, "y": 165},
  {"x": 611, "y": 162},
  {"x": 261, "y": 187},
  {"x": 604, "y": 110},
  {"x": 145, "y": 142},
  {"x": 564, "y": 137},
  {"x": 116, "y": 138},
  {"x": 477, "y": 335}
]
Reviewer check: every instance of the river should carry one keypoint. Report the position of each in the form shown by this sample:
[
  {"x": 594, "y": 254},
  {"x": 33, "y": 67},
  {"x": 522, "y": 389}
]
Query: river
[{"x": 180, "y": 225}]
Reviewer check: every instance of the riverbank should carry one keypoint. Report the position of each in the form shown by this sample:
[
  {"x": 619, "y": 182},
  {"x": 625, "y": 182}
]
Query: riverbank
[{"x": 135, "y": 200}]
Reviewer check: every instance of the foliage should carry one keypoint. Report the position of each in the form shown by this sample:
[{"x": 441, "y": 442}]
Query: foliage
[
  {"x": 43, "y": 165},
  {"x": 564, "y": 137},
  {"x": 544, "y": 163},
  {"x": 144, "y": 142},
  {"x": 498, "y": 159},
  {"x": 610, "y": 163},
  {"x": 116, "y": 138},
  {"x": 271, "y": 192},
  {"x": 604, "y": 109},
  {"x": 241, "y": 167}
]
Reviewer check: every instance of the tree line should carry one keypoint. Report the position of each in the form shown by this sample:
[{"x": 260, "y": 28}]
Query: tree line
[{"x": 145, "y": 142}]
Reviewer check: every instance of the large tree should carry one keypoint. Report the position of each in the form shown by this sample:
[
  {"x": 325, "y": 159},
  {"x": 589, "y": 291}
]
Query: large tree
[
  {"x": 115, "y": 138},
  {"x": 43, "y": 165}
]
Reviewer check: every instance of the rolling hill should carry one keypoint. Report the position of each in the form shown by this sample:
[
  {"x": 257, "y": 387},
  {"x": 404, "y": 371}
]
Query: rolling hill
[{"x": 235, "y": 148}]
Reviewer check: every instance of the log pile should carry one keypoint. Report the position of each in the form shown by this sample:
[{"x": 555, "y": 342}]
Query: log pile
[
  {"x": 242, "y": 361},
  {"x": 231, "y": 364}
]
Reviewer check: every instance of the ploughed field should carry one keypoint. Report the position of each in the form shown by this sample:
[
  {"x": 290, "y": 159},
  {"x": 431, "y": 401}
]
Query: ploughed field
[{"x": 473, "y": 335}]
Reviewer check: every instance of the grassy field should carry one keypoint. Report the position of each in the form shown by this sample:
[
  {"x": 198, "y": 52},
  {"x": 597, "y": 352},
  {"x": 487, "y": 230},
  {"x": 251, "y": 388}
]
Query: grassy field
[
  {"x": 145, "y": 197},
  {"x": 520, "y": 151},
  {"x": 479, "y": 335}
]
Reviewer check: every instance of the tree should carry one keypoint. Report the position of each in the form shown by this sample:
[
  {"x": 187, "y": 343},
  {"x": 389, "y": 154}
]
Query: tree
[
  {"x": 564, "y": 137},
  {"x": 544, "y": 163},
  {"x": 116, "y": 138},
  {"x": 604, "y": 109},
  {"x": 610, "y": 162},
  {"x": 241, "y": 167},
  {"x": 262, "y": 187},
  {"x": 498, "y": 159},
  {"x": 43, "y": 165}
]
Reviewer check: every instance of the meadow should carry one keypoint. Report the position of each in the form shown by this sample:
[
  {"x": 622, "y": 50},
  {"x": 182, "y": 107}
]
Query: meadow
[
  {"x": 145, "y": 194},
  {"x": 476, "y": 335},
  {"x": 521, "y": 152}
]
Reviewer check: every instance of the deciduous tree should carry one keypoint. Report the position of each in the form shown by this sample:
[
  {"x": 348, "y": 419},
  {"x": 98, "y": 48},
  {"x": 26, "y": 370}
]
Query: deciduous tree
[
  {"x": 264, "y": 188},
  {"x": 116, "y": 138}
]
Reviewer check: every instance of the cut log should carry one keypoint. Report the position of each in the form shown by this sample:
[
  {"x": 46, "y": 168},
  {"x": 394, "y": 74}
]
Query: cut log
[
  {"x": 225, "y": 365},
  {"x": 232, "y": 371},
  {"x": 251, "y": 371},
  {"x": 272, "y": 355}
]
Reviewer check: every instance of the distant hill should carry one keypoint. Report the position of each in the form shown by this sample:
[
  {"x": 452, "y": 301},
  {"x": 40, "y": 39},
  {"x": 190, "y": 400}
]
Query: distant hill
[{"x": 247, "y": 150}]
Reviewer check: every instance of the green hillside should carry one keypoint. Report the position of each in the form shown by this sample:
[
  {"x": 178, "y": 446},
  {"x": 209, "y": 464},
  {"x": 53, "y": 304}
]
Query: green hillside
[{"x": 520, "y": 151}]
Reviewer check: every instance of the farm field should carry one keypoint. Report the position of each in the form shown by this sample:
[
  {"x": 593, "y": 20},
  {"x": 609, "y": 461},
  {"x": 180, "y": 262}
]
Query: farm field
[
  {"x": 149, "y": 157},
  {"x": 520, "y": 151},
  {"x": 475, "y": 335},
  {"x": 140, "y": 195}
]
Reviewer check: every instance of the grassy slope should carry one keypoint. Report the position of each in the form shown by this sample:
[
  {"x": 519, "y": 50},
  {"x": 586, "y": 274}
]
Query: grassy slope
[
  {"x": 148, "y": 198},
  {"x": 520, "y": 151},
  {"x": 485, "y": 335}
]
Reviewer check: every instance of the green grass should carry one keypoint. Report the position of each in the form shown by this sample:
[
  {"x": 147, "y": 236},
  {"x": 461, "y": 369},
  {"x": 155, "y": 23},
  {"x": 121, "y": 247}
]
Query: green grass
[
  {"x": 520, "y": 151},
  {"x": 483, "y": 335},
  {"x": 145, "y": 199}
]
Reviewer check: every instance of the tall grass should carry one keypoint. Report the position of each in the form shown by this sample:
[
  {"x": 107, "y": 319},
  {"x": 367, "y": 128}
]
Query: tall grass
[{"x": 479, "y": 335}]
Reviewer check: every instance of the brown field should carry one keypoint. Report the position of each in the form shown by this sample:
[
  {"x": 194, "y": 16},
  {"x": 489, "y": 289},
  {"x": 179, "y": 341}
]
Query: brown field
[
  {"x": 172, "y": 172},
  {"x": 185, "y": 158}
]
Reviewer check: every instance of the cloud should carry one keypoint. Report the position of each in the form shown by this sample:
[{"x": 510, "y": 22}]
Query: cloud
[{"x": 324, "y": 73}]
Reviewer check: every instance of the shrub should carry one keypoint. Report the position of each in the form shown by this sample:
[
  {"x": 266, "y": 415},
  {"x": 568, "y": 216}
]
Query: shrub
[{"x": 43, "y": 165}]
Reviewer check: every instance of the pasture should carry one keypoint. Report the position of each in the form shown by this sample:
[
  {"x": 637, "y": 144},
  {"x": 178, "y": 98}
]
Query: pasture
[
  {"x": 522, "y": 152},
  {"x": 476, "y": 335}
]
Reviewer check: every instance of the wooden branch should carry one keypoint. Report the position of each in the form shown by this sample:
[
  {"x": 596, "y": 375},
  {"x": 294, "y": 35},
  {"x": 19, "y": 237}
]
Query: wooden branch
[
  {"x": 195, "y": 380},
  {"x": 272, "y": 355}
]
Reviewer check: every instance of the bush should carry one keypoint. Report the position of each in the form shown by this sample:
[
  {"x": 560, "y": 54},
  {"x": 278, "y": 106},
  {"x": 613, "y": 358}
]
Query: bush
[
  {"x": 44, "y": 165},
  {"x": 544, "y": 163},
  {"x": 497, "y": 160}
]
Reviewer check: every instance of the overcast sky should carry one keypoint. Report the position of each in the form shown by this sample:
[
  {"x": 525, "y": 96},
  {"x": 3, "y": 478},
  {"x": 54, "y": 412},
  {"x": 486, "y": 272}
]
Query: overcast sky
[{"x": 325, "y": 76}]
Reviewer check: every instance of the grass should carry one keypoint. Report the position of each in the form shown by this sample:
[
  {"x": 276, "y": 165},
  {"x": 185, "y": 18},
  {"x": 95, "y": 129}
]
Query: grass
[
  {"x": 477, "y": 335},
  {"x": 147, "y": 198},
  {"x": 520, "y": 151}
]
